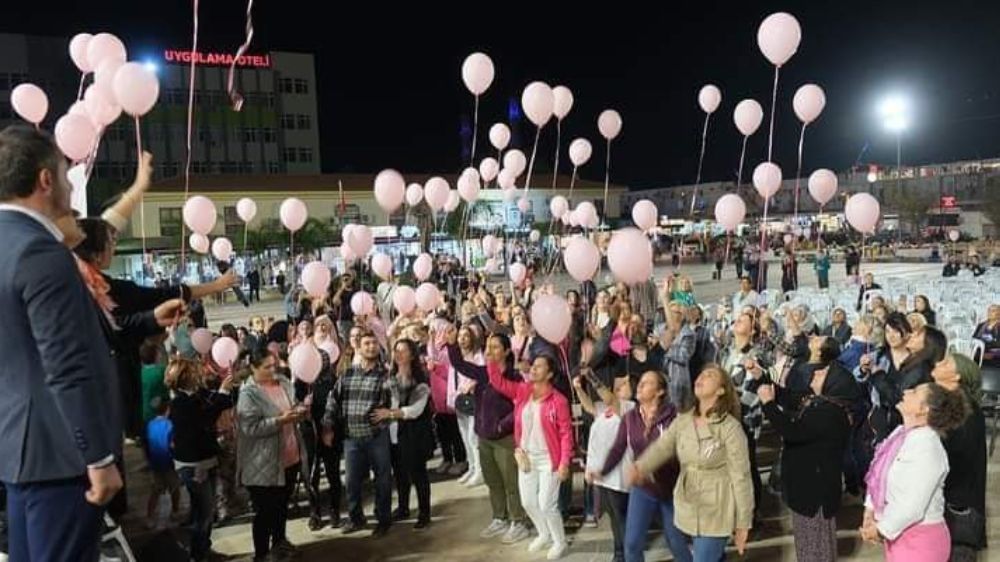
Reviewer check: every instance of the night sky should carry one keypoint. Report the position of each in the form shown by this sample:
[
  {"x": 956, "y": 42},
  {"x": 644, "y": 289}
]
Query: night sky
[{"x": 390, "y": 92}]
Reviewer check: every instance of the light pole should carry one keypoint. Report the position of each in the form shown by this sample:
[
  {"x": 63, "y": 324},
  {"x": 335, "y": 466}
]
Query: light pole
[{"x": 895, "y": 112}]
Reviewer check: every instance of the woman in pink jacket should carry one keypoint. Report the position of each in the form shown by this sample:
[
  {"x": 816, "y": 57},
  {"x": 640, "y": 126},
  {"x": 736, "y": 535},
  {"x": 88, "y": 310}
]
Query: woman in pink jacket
[{"x": 543, "y": 434}]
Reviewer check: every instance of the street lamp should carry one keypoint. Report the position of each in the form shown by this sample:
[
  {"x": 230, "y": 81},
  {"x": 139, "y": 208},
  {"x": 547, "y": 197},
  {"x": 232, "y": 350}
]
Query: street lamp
[{"x": 895, "y": 112}]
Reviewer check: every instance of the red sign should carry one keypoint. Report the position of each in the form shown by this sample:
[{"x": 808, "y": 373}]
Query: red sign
[
  {"x": 218, "y": 59},
  {"x": 948, "y": 202}
]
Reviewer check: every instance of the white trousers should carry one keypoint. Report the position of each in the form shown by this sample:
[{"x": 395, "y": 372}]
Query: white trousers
[
  {"x": 467, "y": 427},
  {"x": 540, "y": 498}
]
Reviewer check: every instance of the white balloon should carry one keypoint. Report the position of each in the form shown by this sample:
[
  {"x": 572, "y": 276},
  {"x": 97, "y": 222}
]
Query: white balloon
[
  {"x": 767, "y": 179},
  {"x": 822, "y": 185},
  {"x": 534, "y": 236},
  {"x": 390, "y": 189},
  {"x": 360, "y": 239},
  {"x": 609, "y": 123},
  {"x": 558, "y": 206},
  {"x": 563, "y": 98},
  {"x": 499, "y": 136},
  {"x": 478, "y": 73},
  {"x": 506, "y": 179},
  {"x": 246, "y": 208},
  {"x": 468, "y": 185},
  {"x": 198, "y": 243},
  {"x": 538, "y": 101},
  {"x": 489, "y": 168},
  {"x": 778, "y": 37},
  {"x": 580, "y": 151},
  {"x": 709, "y": 98},
  {"x": 748, "y": 116},
  {"x": 414, "y": 194},
  {"x": 510, "y": 194},
  {"x": 809, "y": 102},
  {"x": 515, "y": 161},
  {"x": 436, "y": 193},
  {"x": 222, "y": 249},
  {"x": 382, "y": 265},
  {"x": 293, "y": 213},
  {"x": 453, "y": 201},
  {"x": 517, "y": 272}
]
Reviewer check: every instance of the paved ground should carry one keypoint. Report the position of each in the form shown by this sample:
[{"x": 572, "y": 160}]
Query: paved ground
[{"x": 460, "y": 513}]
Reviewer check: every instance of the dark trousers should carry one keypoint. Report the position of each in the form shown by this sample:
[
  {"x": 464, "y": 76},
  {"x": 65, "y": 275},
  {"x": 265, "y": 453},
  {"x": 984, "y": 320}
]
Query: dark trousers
[
  {"x": 450, "y": 439},
  {"x": 200, "y": 485},
  {"x": 410, "y": 471},
  {"x": 362, "y": 456},
  {"x": 327, "y": 458},
  {"x": 254, "y": 293},
  {"x": 754, "y": 469},
  {"x": 270, "y": 505},
  {"x": 616, "y": 506},
  {"x": 52, "y": 522}
]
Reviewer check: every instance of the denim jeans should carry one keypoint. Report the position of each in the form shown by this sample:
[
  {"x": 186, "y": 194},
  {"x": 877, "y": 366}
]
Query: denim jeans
[
  {"x": 709, "y": 549},
  {"x": 642, "y": 506},
  {"x": 362, "y": 456},
  {"x": 200, "y": 485}
]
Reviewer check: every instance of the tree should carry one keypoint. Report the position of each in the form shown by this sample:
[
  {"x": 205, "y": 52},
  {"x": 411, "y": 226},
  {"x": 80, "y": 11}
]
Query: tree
[
  {"x": 911, "y": 204},
  {"x": 313, "y": 236},
  {"x": 991, "y": 203}
]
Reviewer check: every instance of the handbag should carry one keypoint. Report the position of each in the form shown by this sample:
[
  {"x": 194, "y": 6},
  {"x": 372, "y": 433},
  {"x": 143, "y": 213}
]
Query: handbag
[
  {"x": 966, "y": 525},
  {"x": 465, "y": 403}
]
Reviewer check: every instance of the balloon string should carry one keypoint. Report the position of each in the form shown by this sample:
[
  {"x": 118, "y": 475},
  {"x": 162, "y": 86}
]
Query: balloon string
[
  {"x": 190, "y": 122},
  {"x": 798, "y": 174},
  {"x": 142, "y": 197},
  {"x": 762, "y": 251},
  {"x": 739, "y": 173},
  {"x": 79, "y": 92},
  {"x": 235, "y": 97},
  {"x": 531, "y": 163},
  {"x": 701, "y": 160},
  {"x": 555, "y": 168},
  {"x": 774, "y": 101},
  {"x": 475, "y": 133},
  {"x": 607, "y": 178},
  {"x": 572, "y": 182}
]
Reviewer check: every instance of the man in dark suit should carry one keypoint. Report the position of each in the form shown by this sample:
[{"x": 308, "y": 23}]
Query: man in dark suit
[
  {"x": 253, "y": 279},
  {"x": 59, "y": 425}
]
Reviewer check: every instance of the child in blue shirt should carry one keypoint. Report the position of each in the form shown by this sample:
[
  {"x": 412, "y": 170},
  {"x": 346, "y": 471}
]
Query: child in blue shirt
[{"x": 159, "y": 443}]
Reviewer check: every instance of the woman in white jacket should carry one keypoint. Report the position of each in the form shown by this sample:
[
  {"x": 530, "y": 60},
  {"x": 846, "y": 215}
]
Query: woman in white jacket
[
  {"x": 905, "y": 502},
  {"x": 470, "y": 344}
]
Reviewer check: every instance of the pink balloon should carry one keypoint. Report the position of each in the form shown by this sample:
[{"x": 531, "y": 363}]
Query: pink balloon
[
  {"x": 644, "y": 214},
  {"x": 404, "y": 298},
  {"x": 586, "y": 214},
  {"x": 201, "y": 340},
  {"x": 778, "y": 37},
  {"x": 954, "y": 235},
  {"x": 362, "y": 304},
  {"x": 491, "y": 265},
  {"x": 499, "y": 136},
  {"x": 478, "y": 73},
  {"x": 730, "y": 210},
  {"x": 436, "y": 193},
  {"x": 382, "y": 266},
  {"x": 293, "y": 213},
  {"x": 562, "y": 98},
  {"x": 630, "y": 256},
  {"x": 101, "y": 105},
  {"x": 75, "y": 136},
  {"x": 515, "y": 161},
  {"x": 222, "y": 249},
  {"x": 582, "y": 258},
  {"x": 105, "y": 46},
  {"x": 489, "y": 168},
  {"x": 808, "y": 102},
  {"x": 423, "y": 266},
  {"x": 767, "y": 179},
  {"x": 787, "y": 239},
  {"x": 246, "y": 208},
  {"x": 558, "y": 206},
  {"x": 199, "y": 214},
  {"x": 198, "y": 243},
  {"x": 104, "y": 75},
  {"x": 428, "y": 297},
  {"x": 331, "y": 349},
  {"x": 491, "y": 245},
  {"x": 316, "y": 279},
  {"x": 863, "y": 212},
  {"x": 506, "y": 179},
  {"x": 414, "y": 194},
  {"x": 609, "y": 123},
  {"x": 517, "y": 272},
  {"x": 534, "y": 236},
  {"x": 822, "y": 185},
  {"x": 709, "y": 98},
  {"x": 346, "y": 253},
  {"x": 748, "y": 116},
  {"x": 361, "y": 239},
  {"x": 305, "y": 362},
  {"x": 78, "y": 51},
  {"x": 523, "y": 204},
  {"x": 136, "y": 88},
  {"x": 225, "y": 351},
  {"x": 453, "y": 201},
  {"x": 389, "y": 190},
  {"x": 30, "y": 102},
  {"x": 468, "y": 185},
  {"x": 580, "y": 151},
  {"x": 551, "y": 318},
  {"x": 80, "y": 108},
  {"x": 538, "y": 103}
]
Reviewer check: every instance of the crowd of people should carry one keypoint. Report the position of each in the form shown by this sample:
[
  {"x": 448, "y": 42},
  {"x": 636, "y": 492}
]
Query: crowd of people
[{"x": 673, "y": 403}]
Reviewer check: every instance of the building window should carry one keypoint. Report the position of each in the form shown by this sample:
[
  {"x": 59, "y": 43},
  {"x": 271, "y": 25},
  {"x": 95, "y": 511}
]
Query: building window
[
  {"x": 169, "y": 169},
  {"x": 304, "y": 122},
  {"x": 205, "y": 136},
  {"x": 301, "y": 86},
  {"x": 288, "y": 121},
  {"x": 170, "y": 221},
  {"x": 270, "y": 135},
  {"x": 286, "y": 86},
  {"x": 290, "y": 155},
  {"x": 228, "y": 167},
  {"x": 234, "y": 225},
  {"x": 4, "y": 81},
  {"x": 251, "y": 135},
  {"x": 5, "y": 111},
  {"x": 305, "y": 155},
  {"x": 198, "y": 167},
  {"x": 246, "y": 167},
  {"x": 273, "y": 168},
  {"x": 269, "y": 99}
]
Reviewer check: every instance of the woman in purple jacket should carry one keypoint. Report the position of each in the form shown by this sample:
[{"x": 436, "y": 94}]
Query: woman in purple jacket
[
  {"x": 495, "y": 427},
  {"x": 640, "y": 427}
]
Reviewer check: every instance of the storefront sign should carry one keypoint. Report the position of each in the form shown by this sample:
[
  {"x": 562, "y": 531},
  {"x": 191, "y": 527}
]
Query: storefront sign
[{"x": 217, "y": 59}]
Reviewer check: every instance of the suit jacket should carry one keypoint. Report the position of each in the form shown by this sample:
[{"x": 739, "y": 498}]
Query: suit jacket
[{"x": 58, "y": 411}]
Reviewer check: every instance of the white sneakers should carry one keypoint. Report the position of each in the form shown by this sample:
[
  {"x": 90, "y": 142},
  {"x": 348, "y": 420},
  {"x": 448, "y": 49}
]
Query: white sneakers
[
  {"x": 463, "y": 478},
  {"x": 517, "y": 532},
  {"x": 557, "y": 551},
  {"x": 496, "y": 528},
  {"x": 475, "y": 480},
  {"x": 540, "y": 542}
]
